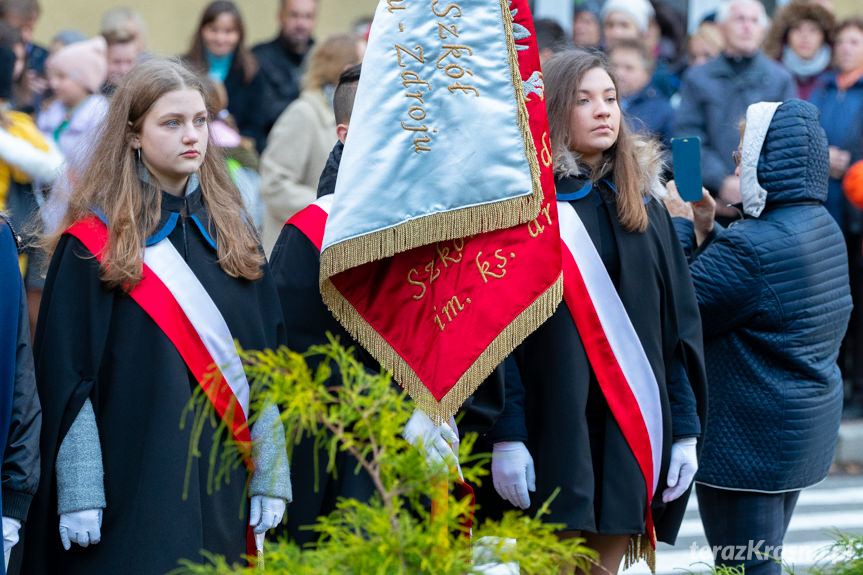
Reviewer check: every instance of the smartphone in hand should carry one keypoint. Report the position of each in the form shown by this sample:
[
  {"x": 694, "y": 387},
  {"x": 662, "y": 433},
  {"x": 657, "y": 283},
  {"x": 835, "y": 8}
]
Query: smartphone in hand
[{"x": 686, "y": 155}]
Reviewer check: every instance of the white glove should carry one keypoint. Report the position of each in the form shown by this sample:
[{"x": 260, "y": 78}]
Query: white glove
[
  {"x": 10, "y": 533},
  {"x": 512, "y": 472},
  {"x": 266, "y": 512},
  {"x": 433, "y": 440},
  {"x": 81, "y": 527},
  {"x": 681, "y": 470}
]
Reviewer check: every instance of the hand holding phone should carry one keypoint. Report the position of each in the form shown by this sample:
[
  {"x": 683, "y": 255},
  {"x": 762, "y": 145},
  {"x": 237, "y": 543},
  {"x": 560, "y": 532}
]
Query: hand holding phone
[{"x": 686, "y": 155}]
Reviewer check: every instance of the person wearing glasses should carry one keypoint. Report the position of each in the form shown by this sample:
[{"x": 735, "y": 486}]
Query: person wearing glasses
[{"x": 774, "y": 298}]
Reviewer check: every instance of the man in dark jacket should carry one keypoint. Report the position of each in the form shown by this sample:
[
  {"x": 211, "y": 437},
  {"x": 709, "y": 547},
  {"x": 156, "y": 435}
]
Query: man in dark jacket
[
  {"x": 774, "y": 299},
  {"x": 714, "y": 96},
  {"x": 281, "y": 59}
]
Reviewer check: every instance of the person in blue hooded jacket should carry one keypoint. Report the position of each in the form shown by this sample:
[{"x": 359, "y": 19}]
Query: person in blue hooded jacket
[{"x": 774, "y": 298}]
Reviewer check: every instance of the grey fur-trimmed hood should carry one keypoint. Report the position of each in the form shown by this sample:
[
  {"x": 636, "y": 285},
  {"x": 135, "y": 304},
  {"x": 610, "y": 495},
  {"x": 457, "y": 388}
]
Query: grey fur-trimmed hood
[{"x": 650, "y": 161}]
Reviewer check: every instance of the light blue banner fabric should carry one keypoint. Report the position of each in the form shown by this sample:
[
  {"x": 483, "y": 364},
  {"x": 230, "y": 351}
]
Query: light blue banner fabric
[{"x": 434, "y": 126}]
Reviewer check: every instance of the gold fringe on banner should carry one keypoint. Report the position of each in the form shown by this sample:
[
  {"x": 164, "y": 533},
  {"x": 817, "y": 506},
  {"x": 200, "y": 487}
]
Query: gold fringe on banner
[
  {"x": 452, "y": 224},
  {"x": 512, "y": 335},
  {"x": 640, "y": 548}
]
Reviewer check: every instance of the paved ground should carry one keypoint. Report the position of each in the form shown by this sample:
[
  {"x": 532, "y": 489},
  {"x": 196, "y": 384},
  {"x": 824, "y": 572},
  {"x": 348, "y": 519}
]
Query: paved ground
[{"x": 835, "y": 504}]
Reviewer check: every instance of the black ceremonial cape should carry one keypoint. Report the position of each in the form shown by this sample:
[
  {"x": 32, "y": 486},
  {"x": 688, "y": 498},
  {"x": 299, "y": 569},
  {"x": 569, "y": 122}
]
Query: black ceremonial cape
[
  {"x": 99, "y": 343},
  {"x": 575, "y": 443}
]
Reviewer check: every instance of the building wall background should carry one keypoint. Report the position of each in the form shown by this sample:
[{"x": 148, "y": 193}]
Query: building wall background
[{"x": 171, "y": 23}]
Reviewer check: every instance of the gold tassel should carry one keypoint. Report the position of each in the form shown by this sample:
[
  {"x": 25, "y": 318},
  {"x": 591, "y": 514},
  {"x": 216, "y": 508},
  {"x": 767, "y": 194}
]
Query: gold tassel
[
  {"x": 512, "y": 335},
  {"x": 453, "y": 224},
  {"x": 640, "y": 548}
]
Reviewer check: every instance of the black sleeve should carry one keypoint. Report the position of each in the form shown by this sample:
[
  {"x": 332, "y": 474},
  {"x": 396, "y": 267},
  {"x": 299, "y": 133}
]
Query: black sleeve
[
  {"x": 248, "y": 113},
  {"x": 511, "y": 425},
  {"x": 20, "y": 475},
  {"x": 483, "y": 408},
  {"x": 685, "y": 378}
]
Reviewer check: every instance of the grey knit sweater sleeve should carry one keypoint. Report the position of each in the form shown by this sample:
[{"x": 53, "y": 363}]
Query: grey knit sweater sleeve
[
  {"x": 80, "y": 478},
  {"x": 272, "y": 476}
]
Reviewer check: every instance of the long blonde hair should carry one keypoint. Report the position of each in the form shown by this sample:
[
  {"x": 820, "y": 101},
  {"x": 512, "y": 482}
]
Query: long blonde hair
[
  {"x": 111, "y": 184},
  {"x": 562, "y": 75}
]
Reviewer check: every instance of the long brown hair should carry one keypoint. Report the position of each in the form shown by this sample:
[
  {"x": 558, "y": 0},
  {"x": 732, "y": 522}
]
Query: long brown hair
[
  {"x": 111, "y": 184},
  {"x": 243, "y": 57},
  {"x": 562, "y": 75}
]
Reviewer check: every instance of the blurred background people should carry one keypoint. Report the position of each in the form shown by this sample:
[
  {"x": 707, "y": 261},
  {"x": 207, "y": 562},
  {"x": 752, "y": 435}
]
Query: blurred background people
[
  {"x": 301, "y": 140},
  {"x": 241, "y": 157},
  {"x": 645, "y": 108},
  {"x": 123, "y": 21},
  {"x": 625, "y": 19},
  {"x": 219, "y": 50},
  {"x": 23, "y": 15},
  {"x": 705, "y": 44},
  {"x": 76, "y": 73},
  {"x": 281, "y": 58},
  {"x": 550, "y": 38},
  {"x": 715, "y": 95},
  {"x": 586, "y": 29},
  {"x": 28, "y": 162},
  {"x": 122, "y": 52},
  {"x": 839, "y": 97},
  {"x": 800, "y": 37},
  {"x": 64, "y": 38},
  {"x": 21, "y": 98}
]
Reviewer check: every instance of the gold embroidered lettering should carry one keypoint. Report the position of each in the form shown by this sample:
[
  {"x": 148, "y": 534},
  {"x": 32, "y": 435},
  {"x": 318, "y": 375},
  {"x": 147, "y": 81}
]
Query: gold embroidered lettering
[
  {"x": 457, "y": 86},
  {"x": 452, "y": 50},
  {"x": 422, "y": 293},
  {"x": 409, "y": 77},
  {"x": 451, "y": 29},
  {"x": 418, "y": 56},
  {"x": 446, "y": 11},
  {"x": 393, "y": 5}
]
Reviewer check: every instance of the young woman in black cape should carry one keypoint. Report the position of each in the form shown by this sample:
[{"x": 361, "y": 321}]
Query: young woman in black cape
[
  {"x": 561, "y": 418},
  {"x": 114, "y": 385}
]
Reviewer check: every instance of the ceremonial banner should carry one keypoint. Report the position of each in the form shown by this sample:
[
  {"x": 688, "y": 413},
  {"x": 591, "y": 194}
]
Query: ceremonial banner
[{"x": 441, "y": 251}]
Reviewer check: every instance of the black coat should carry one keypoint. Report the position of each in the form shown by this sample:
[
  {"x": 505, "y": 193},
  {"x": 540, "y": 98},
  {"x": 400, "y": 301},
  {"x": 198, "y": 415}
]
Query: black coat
[
  {"x": 561, "y": 414},
  {"x": 247, "y": 102},
  {"x": 281, "y": 69},
  {"x": 96, "y": 342}
]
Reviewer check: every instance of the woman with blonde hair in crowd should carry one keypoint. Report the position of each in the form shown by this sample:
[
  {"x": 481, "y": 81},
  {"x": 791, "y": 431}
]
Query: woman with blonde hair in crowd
[
  {"x": 301, "y": 139},
  {"x": 155, "y": 274},
  {"x": 573, "y": 418}
]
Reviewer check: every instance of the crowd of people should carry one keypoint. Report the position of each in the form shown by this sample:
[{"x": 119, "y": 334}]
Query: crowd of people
[{"x": 738, "y": 303}]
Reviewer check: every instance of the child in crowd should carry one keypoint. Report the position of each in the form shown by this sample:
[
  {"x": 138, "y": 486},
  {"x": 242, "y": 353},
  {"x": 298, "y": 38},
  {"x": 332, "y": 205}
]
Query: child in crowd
[
  {"x": 76, "y": 73},
  {"x": 240, "y": 154}
]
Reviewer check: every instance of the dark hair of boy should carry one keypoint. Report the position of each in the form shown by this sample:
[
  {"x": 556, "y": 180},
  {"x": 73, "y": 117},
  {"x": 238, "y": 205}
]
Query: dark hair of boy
[
  {"x": 346, "y": 90},
  {"x": 549, "y": 35}
]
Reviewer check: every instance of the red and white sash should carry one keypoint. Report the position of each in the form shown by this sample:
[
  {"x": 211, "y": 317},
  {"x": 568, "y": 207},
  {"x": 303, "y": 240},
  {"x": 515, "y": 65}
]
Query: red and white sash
[
  {"x": 171, "y": 294},
  {"x": 613, "y": 348},
  {"x": 312, "y": 219}
]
